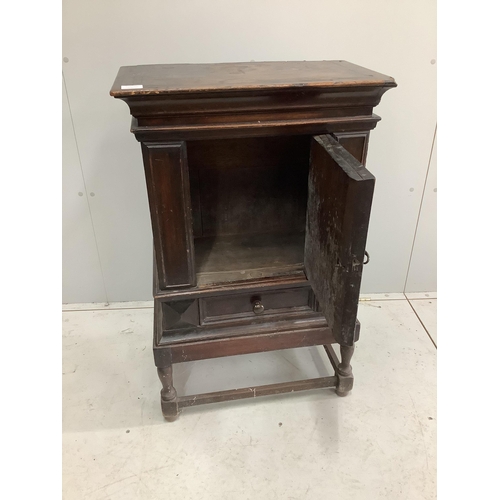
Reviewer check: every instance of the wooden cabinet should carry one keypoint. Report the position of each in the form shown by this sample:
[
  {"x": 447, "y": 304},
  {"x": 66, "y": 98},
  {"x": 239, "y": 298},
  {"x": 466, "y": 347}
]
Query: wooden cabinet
[{"x": 260, "y": 204}]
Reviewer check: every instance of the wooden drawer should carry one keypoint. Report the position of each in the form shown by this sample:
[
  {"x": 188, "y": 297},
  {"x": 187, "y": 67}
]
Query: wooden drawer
[{"x": 258, "y": 305}]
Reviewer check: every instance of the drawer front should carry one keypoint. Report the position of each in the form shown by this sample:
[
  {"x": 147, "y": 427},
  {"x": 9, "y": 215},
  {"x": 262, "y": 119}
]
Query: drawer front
[{"x": 261, "y": 305}]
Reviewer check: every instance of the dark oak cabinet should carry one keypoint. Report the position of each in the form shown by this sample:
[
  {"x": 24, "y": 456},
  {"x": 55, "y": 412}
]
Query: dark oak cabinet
[{"x": 260, "y": 204}]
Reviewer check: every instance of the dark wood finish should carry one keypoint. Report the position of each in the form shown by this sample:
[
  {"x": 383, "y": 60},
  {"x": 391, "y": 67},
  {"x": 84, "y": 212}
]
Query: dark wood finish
[
  {"x": 243, "y": 257},
  {"x": 260, "y": 182},
  {"x": 167, "y": 181},
  {"x": 356, "y": 144},
  {"x": 338, "y": 211},
  {"x": 253, "y": 392},
  {"x": 346, "y": 353},
  {"x": 232, "y": 326},
  {"x": 253, "y": 126},
  {"x": 295, "y": 279},
  {"x": 245, "y": 202},
  {"x": 343, "y": 370},
  {"x": 287, "y": 335},
  {"x": 158, "y": 325},
  {"x": 185, "y": 102},
  {"x": 172, "y": 407},
  {"x": 243, "y": 305},
  {"x": 180, "y": 315},
  {"x": 168, "y": 392},
  {"x": 174, "y": 79}
]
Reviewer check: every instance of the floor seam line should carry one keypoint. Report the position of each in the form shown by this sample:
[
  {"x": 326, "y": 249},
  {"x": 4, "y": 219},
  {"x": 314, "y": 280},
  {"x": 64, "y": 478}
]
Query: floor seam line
[
  {"x": 422, "y": 323},
  {"x": 104, "y": 308},
  {"x": 107, "y": 309}
]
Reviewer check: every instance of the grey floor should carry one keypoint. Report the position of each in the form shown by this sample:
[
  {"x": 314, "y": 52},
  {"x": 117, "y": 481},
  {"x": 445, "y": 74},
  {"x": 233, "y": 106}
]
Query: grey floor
[{"x": 377, "y": 443}]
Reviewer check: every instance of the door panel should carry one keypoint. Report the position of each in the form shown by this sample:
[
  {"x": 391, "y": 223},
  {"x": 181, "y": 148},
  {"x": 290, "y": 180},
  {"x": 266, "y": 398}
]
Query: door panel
[{"x": 338, "y": 211}]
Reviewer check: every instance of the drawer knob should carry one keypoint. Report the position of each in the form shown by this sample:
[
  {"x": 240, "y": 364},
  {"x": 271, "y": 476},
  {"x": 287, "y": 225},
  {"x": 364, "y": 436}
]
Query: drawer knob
[{"x": 258, "y": 307}]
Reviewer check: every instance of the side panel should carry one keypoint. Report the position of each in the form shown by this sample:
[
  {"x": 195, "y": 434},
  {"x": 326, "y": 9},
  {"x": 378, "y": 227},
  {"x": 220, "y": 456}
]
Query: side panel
[
  {"x": 338, "y": 211},
  {"x": 167, "y": 179}
]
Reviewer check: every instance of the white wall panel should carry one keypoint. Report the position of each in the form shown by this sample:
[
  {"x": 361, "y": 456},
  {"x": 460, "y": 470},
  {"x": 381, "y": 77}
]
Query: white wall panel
[
  {"x": 422, "y": 274},
  {"x": 81, "y": 274},
  {"x": 396, "y": 37}
]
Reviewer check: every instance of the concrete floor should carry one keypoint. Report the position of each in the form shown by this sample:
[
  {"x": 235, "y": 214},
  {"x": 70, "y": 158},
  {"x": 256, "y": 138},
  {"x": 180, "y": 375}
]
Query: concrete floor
[{"x": 377, "y": 443}]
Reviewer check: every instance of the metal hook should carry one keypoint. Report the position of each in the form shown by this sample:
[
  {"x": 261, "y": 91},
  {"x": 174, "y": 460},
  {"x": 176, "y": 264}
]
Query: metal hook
[{"x": 367, "y": 258}]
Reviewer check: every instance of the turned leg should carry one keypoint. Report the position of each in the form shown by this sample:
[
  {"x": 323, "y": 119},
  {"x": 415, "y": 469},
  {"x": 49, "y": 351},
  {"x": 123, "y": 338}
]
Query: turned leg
[
  {"x": 168, "y": 393},
  {"x": 344, "y": 371}
]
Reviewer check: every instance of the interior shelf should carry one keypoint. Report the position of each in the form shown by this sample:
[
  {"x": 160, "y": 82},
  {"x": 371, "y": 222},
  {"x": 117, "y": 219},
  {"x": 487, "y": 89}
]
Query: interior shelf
[{"x": 222, "y": 259}]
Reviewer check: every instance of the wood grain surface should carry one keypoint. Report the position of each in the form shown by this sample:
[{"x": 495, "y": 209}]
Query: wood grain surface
[{"x": 195, "y": 78}]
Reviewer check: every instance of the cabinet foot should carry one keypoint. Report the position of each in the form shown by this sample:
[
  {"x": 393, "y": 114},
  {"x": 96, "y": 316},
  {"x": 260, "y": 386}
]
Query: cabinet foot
[
  {"x": 344, "y": 371},
  {"x": 170, "y": 410},
  {"x": 169, "y": 406}
]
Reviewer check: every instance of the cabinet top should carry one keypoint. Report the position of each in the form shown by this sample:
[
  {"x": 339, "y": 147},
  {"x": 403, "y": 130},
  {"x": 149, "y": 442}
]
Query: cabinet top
[{"x": 252, "y": 76}]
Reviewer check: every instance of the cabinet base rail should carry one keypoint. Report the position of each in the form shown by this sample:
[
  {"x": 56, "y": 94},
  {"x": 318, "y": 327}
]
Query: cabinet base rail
[{"x": 342, "y": 382}]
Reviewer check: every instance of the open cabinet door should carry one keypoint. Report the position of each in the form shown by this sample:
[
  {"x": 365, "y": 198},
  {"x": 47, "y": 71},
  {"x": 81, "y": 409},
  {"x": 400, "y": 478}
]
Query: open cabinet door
[{"x": 338, "y": 211}]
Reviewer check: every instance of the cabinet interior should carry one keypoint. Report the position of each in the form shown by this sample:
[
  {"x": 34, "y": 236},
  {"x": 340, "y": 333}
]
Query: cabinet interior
[{"x": 249, "y": 200}]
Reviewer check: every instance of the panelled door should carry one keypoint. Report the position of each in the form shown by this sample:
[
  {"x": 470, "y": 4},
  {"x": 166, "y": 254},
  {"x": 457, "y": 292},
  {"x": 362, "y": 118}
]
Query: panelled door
[{"x": 338, "y": 211}]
